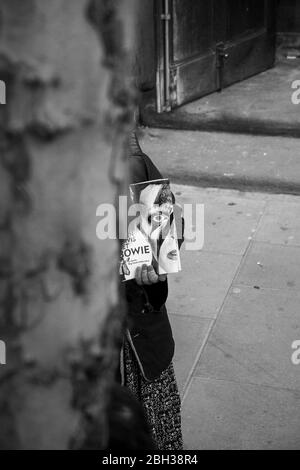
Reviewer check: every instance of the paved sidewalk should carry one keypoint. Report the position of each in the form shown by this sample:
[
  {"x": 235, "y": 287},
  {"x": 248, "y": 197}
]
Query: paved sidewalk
[
  {"x": 235, "y": 311},
  {"x": 220, "y": 160}
]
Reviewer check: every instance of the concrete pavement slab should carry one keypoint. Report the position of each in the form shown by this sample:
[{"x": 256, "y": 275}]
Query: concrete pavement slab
[
  {"x": 230, "y": 218},
  {"x": 199, "y": 290},
  {"x": 280, "y": 223},
  {"x": 251, "y": 341},
  {"x": 226, "y": 415},
  {"x": 271, "y": 266},
  {"x": 190, "y": 334}
]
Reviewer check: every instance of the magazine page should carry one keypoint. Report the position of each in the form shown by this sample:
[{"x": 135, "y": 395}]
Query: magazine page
[{"x": 152, "y": 237}]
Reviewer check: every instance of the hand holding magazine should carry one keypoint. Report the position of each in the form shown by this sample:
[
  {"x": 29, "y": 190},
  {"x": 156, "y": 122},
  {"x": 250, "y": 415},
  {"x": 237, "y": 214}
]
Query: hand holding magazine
[{"x": 152, "y": 236}]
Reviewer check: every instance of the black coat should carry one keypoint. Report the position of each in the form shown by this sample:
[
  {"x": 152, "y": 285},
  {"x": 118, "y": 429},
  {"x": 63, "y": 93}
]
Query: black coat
[{"x": 149, "y": 332}]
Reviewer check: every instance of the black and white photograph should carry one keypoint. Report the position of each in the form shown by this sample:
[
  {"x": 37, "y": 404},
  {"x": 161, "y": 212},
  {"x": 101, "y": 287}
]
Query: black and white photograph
[{"x": 149, "y": 228}]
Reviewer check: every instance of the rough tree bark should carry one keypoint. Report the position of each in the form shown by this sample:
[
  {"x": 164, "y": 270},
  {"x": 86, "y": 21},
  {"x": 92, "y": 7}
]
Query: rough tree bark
[{"x": 63, "y": 142}]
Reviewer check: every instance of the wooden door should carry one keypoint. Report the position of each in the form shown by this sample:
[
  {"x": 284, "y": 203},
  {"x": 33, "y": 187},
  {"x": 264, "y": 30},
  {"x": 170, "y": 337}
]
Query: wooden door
[{"x": 205, "y": 45}]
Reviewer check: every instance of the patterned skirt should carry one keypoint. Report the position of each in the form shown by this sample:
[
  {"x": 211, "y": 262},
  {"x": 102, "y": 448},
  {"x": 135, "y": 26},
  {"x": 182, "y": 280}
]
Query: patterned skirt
[{"x": 160, "y": 399}]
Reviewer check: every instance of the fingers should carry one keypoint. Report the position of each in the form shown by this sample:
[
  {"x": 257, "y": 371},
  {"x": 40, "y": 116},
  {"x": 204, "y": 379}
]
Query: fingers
[
  {"x": 162, "y": 277},
  {"x": 145, "y": 279},
  {"x": 141, "y": 276},
  {"x": 152, "y": 276},
  {"x": 146, "y": 275}
]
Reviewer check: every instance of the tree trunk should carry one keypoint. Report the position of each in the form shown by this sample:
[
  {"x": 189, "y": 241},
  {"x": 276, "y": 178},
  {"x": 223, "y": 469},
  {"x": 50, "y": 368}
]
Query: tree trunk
[{"x": 64, "y": 129}]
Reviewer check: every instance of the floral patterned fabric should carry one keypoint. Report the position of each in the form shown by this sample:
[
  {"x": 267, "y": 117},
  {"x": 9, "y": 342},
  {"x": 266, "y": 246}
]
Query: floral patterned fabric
[{"x": 160, "y": 399}]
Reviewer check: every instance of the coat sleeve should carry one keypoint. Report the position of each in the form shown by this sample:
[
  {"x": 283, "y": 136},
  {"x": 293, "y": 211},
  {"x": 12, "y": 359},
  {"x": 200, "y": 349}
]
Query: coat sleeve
[{"x": 143, "y": 169}]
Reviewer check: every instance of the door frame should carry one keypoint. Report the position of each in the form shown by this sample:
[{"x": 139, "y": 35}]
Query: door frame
[{"x": 162, "y": 15}]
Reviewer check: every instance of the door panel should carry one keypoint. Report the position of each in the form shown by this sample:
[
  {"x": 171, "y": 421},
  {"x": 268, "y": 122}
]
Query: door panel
[
  {"x": 248, "y": 57},
  {"x": 211, "y": 44},
  {"x": 192, "y": 29},
  {"x": 250, "y": 40},
  {"x": 194, "y": 79},
  {"x": 244, "y": 16},
  {"x": 192, "y": 61}
]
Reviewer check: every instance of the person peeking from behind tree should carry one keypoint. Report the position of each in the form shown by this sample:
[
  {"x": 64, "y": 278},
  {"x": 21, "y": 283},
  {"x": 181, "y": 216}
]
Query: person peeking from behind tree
[{"x": 148, "y": 348}]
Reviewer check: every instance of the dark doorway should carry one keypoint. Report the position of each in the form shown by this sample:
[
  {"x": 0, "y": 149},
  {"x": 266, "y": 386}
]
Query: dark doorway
[{"x": 206, "y": 45}]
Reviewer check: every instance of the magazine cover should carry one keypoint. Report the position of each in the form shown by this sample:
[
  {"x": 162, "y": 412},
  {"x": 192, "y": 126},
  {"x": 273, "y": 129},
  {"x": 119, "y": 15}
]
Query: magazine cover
[{"x": 152, "y": 237}]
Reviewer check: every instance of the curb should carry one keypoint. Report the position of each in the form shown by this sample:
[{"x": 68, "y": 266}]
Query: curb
[
  {"x": 179, "y": 120},
  {"x": 239, "y": 183}
]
